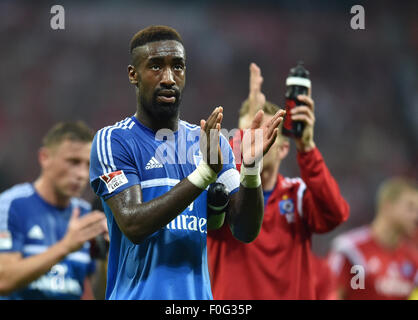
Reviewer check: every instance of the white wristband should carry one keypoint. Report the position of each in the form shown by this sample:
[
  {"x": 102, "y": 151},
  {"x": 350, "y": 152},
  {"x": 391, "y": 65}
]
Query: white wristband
[
  {"x": 250, "y": 176},
  {"x": 202, "y": 176}
]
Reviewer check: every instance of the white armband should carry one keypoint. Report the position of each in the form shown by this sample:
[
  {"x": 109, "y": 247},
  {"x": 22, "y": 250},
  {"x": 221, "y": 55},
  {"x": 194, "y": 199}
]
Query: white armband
[
  {"x": 202, "y": 176},
  {"x": 250, "y": 176}
]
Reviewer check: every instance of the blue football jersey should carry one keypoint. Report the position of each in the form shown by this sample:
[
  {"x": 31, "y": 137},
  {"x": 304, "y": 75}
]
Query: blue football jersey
[
  {"x": 171, "y": 263},
  {"x": 30, "y": 225}
]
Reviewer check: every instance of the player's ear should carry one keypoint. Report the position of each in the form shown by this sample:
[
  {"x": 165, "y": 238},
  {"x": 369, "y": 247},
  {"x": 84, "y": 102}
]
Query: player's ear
[
  {"x": 43, "y": 157},
  {"x": 132, "y": 75}
]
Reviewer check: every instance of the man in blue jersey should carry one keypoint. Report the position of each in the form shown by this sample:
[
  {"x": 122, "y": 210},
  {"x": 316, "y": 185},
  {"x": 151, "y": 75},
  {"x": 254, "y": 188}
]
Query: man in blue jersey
[
  {"x": 152, "y": 171},
  {"x": 45, "y": 227}
]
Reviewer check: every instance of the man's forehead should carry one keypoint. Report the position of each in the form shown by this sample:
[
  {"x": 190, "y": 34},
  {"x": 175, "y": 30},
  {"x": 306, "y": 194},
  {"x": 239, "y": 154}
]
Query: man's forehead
[
  {"x": 68, "y": 146},
  {"x": 162, "y": 48}
]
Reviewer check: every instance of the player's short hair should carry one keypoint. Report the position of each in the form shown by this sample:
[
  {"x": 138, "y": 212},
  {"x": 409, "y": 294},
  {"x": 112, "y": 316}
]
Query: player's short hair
[
  {"x": 151, "y": 34},
  {"x": 73, "y": 131},
  {"x": 154, "y": 33},
  {"x": 391, "y": 189},
  {"x": 269, "y": 108}
]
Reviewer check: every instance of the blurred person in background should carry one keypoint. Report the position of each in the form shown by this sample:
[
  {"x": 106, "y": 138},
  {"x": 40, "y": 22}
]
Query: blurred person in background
[
  {"x": 45, "y": 227},
  {"x": 325, "y": 282},
  {"x": 385, "y": 251},
  {"x": 414, "y": 243},
  {"x": 279, "y": 263}
]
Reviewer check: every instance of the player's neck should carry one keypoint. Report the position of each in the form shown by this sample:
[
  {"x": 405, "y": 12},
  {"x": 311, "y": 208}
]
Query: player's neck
[
  {"x": 48, "y": 193},
  {"x": 156, "y": 124},
  {"x": 385, "y": 234},
  {"x": 269, "y": 176}
]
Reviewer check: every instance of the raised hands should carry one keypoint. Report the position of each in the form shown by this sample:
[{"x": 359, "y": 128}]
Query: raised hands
[
  {"x": 209, "y": 139},
  {"x": 256, "y": 99},
  {"x": 259, "y": 138},
  {"x": 85, "y": 228}
]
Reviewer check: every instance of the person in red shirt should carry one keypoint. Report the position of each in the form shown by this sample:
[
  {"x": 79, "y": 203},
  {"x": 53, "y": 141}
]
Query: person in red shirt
[
  {"x": 414, "y": 243},
  {"x": 380, "y": 261},
  {"x": 279, "y": 263},
  {"x": 326, "y": 282}
]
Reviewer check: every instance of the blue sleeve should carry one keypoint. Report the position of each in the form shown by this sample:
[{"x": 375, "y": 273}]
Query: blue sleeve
[
  {"x": 12, "y": 235},
  {"x": 112, "y": 165},
  {"x": 229, "y": 175}
]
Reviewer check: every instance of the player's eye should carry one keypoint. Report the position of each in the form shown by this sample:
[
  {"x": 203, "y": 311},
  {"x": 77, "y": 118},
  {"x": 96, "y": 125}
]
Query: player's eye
[
  {"x": 178, "y": 67},
  {"x": 73, "y": 162},
  {"x": 155, "y": 67}
]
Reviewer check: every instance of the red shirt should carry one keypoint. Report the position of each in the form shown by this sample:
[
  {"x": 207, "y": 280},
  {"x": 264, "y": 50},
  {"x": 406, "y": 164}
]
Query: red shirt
[
  {"x": 326, "y": 282},
  {"x": 278, "y": 264},
  {"x": 390, "y": 274}
]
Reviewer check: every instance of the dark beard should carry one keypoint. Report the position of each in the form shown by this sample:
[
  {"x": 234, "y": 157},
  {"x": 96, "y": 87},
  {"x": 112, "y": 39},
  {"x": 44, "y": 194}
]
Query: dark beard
[{"x": 161, "y": 110}]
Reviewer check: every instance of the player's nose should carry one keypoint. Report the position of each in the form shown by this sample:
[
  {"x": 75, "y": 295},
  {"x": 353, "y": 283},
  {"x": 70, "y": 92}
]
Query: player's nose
[{"x": 167, "y": 78}]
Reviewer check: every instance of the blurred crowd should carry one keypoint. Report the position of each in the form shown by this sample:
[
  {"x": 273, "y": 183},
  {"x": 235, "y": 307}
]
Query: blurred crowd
[{"x": 364, "y": 82}]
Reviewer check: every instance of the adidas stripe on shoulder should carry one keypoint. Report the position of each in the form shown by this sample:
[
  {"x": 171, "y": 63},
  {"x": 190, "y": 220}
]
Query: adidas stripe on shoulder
[{"x": 104, "y": 146}]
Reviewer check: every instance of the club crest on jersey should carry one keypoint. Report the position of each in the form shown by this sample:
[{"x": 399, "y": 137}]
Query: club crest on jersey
[
  {"x": 407, "y": 269},
  {"x": 114, "y": 180},
  {"x": 287, "y": 208}
]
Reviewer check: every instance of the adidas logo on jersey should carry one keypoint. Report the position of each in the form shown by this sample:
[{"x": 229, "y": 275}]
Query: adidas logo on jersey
[
  {"x": 152, "y": 164},
  {"x": 36, "y": 233}
]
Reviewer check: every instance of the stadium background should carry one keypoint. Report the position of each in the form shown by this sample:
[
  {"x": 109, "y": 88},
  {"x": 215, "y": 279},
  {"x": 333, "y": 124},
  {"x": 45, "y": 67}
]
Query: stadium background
[{"x": 365, "y": 82}]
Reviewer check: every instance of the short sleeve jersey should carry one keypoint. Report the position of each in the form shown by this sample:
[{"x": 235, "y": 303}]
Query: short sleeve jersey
[
  {"x": 30, "y": 225},
  {"x": 171, "y": 263}
]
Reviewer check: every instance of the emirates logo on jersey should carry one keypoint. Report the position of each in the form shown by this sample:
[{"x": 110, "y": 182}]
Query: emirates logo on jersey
[{"x": 188, "y": 222}]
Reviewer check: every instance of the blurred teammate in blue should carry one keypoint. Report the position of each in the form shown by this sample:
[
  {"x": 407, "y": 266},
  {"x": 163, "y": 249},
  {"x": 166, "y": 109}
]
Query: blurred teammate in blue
[
  {"x": 152, "y": 171},
  {"x": 45, "y": 227}
]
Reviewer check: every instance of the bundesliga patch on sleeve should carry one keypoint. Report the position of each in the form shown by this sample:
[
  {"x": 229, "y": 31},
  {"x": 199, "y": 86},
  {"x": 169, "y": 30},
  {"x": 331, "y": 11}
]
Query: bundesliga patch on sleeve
[
  {"x": 5, "y": 240},
  {"x": 114, "y": 180}
]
